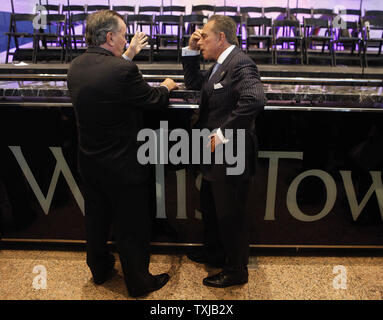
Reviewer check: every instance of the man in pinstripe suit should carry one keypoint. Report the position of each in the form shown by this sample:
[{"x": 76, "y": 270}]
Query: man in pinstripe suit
[{"x": 231, "y": 98}]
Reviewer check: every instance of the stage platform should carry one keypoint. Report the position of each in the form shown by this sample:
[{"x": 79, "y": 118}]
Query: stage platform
[{"x": 313, "y": 71}]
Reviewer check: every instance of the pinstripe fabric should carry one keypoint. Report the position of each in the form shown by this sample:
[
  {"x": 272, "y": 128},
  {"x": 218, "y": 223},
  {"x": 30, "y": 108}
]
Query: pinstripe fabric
[{"x": 237, "y": 103}]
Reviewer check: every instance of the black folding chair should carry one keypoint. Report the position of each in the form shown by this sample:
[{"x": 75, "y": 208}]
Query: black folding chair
[
  {"x": 135, "y": 22},
  {"x": 163, "y": 38},
  {"x": 348, "y": 41},
  {"x": 57, "y": 38},
  {"x": 312, "y": 38},
  {"x": 76, "y": 38},
  {"x": 15, "y": 21},
  {"x": 261, "y": 38},
  {"x": 373, "y": 39},
  {"x": 291, "y": 36}
]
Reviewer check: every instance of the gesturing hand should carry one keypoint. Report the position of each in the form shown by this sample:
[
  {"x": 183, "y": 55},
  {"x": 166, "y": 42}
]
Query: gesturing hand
[{"x": 138, "y": 42}]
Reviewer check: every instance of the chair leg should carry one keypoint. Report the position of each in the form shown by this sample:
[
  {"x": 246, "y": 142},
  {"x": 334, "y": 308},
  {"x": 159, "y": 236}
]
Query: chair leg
[
  {"x": 34, "y": 50},
  {"x": 8, "y": 48}
]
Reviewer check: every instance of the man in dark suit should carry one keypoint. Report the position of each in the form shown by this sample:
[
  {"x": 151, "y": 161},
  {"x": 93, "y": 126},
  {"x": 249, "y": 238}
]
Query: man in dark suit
[
  {"x": 109, "y": 96},
  {"x": 231, "y": 98}
]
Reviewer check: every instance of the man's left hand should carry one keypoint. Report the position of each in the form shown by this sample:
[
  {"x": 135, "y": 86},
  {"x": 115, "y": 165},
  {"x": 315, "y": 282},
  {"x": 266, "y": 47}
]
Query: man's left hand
[
  {"x": 139, "y": 41},
  {"x": 214, "y": 141}
]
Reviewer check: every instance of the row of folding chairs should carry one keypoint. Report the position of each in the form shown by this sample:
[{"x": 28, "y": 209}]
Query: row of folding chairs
[
  {"x": 210, "y": 9},
  {"x": 263, "y": 36},
  {"x": 318, "y": 38}
]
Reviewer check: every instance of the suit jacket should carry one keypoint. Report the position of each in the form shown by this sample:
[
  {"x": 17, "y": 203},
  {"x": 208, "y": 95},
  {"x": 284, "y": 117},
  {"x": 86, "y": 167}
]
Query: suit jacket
[
  {"x": 109, "y": 96},
  {"x": 234, "y": 104}
]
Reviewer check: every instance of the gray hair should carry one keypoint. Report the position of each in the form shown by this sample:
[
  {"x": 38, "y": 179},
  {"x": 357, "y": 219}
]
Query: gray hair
[
  {"x": 98, "y": 24},
  {"x": 226, "y": 25}
]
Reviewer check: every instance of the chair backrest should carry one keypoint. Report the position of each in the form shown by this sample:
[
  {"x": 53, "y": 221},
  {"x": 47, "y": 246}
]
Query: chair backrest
[
  {"x": 93, "y": 8},
  {"x": 373, "y": 13},
  {"x": 124, "y": 9},
  {"x": 225, "y": 9},
  {"x": 198, "y": 9},
  {"x": 168, "y": 18},
  {"x": 20, "y": 19},
  {"x": 58, "y": 21},
  {"x": 58, "y": 18},
  {"x": 73, "y": 8},
  {"x": 171, "y": 9},
  {"x": 312, "y": 26},
  {"x": 287, "y": 23},
  {"x": 258, "y": 26},
  {"x": 251, "y": 10},
  {"x": 351, "y": 12},
  {"x": 195, "y": 19},
  {"x": 317, "y": 23},
  {"x": 294, "y": 12},
  {"x": 140, "y": 18},
  {"x": 329, "y": 13},
  {"x": 288, "y": 26},
  {"x": 301, "y": 11},
  {"x": 374, "y": 23},
  {"x": 237, "y": 19},
  {"x": 349, "y": 25},
  {"x": 52, "y": 8},
  {"x": 78, "y": 17},
  {"x": 258, "y": 22},
  {"x": 153, "y": 9},
  {"x": 274, "y": 10}
]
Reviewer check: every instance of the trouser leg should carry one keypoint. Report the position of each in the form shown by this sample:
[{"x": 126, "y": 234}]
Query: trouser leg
[
  {"x": 131, "y": 229},
  {"x": 98, "y": 222},
  {"x": 212, "y": 236},
  {"x": 230, "y": 201}
]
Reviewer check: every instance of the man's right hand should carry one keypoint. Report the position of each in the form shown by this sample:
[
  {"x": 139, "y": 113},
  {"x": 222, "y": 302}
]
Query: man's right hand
[
  {"x": 194, "y": 39},
  {"x": 170, "y": 84}
]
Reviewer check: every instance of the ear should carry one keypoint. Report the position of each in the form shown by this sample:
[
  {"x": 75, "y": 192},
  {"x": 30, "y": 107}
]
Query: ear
[
  {"x": 109, "y": 38},
  {"x": 222, "y": 36}
]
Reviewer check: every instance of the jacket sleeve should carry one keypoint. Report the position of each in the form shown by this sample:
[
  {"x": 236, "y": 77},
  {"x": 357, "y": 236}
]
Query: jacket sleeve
[
  {"x": 193, "y": 76},
  {"x": 139, "y": 94},
  {"x": 251, "y": 97}
]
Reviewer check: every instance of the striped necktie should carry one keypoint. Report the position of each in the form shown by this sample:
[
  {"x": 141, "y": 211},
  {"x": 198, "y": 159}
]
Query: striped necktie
[{"x": 216, "y": 66}]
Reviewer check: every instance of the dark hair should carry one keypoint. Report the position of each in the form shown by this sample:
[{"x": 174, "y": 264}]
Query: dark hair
[
  {"x": 226, "y": 25},
  {"x": 98, "y": 24}
]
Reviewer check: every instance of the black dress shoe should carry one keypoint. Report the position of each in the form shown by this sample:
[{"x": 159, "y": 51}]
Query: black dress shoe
[
  {"x": 100, "y": 278},
  {"x": 159, "y": 281},
  {"x": 226, "y": 279},
  {"x": 204, "y": 257}
]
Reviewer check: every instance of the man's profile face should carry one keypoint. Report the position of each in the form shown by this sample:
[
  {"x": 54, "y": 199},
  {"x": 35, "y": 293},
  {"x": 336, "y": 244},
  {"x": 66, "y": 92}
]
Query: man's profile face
[
  {"x": 119, "y": 40},
  {"x": 209, "y": 43}
]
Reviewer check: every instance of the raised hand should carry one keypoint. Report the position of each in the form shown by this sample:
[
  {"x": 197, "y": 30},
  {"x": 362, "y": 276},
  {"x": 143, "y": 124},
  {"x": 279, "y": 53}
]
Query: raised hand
[
  {"x": 194, "y": 39},
  {"x": 138, "y": 42}
]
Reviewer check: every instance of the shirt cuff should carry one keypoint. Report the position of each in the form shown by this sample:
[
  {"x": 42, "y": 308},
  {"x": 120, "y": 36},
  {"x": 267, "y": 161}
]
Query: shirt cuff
[
  {"x": 221, "y": 137},
  {"x": 126, "y": 57},
  {"x": 188, "y": 52},
  {"x": 162, "y": 85}
]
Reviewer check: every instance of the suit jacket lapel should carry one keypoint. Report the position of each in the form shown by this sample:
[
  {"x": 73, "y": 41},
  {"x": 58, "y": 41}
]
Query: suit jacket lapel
[{"x": 222, "y": 70}]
